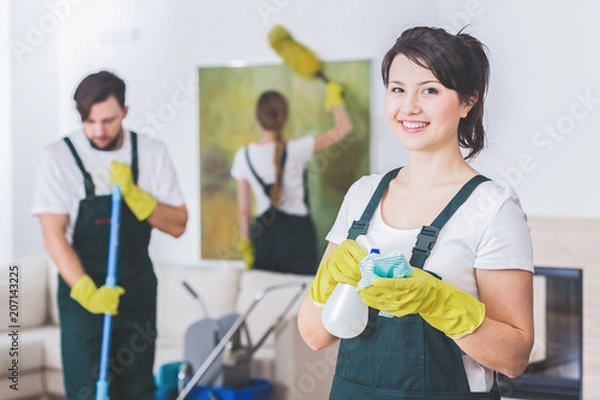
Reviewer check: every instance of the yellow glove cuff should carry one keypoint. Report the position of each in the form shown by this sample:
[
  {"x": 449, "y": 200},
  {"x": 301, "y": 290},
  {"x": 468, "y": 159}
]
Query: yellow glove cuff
[
  {"x": 321, "y": 288},
  {"x": 140, "y": 202},
  {"x": 83, "y": 289},
  {"x": 103, "y": 300},
  {"x": 333, "y": 95},
  {"x": 247, "y": 251}
]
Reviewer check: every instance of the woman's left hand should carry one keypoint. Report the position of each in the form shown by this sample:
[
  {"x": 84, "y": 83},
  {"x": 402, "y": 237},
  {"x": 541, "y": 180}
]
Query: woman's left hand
[{"x": 442, "y": 305}]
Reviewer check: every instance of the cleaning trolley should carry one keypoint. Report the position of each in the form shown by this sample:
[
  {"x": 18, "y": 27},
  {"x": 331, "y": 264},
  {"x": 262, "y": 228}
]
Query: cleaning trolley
[{"x": 218, "y": 355}]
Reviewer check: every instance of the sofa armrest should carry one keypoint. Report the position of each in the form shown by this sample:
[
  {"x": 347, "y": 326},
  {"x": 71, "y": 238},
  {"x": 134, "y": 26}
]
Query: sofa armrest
[{"x": 300, "y": 372}]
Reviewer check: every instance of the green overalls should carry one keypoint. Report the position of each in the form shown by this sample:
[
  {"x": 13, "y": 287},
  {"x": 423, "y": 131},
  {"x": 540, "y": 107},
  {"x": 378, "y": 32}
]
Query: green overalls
[
  {"x": 283, "y": 242},
  {"x": 404, "y": 358},
  {"x": 134, "y": 328}
]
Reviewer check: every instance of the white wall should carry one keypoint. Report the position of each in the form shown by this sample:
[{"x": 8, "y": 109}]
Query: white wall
[
  {"x": 544, "y": 61},
  {"x": 157, "y": 47},
  {"x": 6, "y": 178},
  {"x": 34, "y": 27}
]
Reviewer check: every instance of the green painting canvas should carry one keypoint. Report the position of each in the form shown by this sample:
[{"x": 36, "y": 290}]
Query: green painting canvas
[{"x": 228, "y": 97}]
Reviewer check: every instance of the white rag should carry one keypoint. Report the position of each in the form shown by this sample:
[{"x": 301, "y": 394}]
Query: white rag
[{"x": 392, "y": 265}]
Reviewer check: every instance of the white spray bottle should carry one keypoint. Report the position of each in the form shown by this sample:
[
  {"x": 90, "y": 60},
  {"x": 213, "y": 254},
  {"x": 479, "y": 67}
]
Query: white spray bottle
[{"x": 345, "y": 315}]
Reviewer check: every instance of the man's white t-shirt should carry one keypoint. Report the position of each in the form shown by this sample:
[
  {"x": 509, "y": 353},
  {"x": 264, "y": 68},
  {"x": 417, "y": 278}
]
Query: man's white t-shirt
[
  {"x": 299, "y": 153},
  {"x": 489, "y": 231},
  {"x": 59, "y": 182}
]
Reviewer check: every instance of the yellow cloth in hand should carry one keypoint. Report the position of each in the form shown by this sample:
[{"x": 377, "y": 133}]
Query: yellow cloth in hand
[
  {"x": 341, "y": 265},
  {"x": 247, "y": 251},
  {"x": 103, "y": 300},
  {"x": 333, "y": 95},
  {"x": 441, "y": 304},
  {"x": 140, "y": 202}
]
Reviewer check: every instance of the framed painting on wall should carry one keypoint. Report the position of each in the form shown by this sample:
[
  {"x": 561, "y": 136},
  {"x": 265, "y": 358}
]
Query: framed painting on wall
[{"x": 228, "y": 97}]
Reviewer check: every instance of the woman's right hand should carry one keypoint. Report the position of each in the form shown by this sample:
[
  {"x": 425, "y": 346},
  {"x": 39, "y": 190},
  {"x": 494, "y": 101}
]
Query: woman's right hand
[
  {"x": 341, "y": 266},
  {"x": 334, "y": 95}
]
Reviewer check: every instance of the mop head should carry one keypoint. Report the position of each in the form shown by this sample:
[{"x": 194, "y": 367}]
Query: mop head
[{"x": 295, "y": 55}]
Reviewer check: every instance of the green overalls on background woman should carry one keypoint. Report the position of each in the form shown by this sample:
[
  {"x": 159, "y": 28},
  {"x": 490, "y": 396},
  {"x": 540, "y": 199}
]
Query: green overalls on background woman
[{"x": 282, "y": 236}]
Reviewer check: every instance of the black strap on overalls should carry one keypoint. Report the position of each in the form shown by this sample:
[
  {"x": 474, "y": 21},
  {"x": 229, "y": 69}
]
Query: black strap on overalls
[
  {"x": 90, "y": 189},
  {"x": 404, "y": 358},
  {"x": 266, "y": 187}
]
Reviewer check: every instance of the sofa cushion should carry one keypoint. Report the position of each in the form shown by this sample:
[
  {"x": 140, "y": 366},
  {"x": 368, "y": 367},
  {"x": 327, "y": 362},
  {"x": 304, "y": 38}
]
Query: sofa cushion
[
  {"x": 50, "y": 337},
  {"x": 177, "y": 309},
  {"x": 52, "y": 298},
  {"x": 30, "y": 303},
  {"x": 53, "y": 380},
  {"x": 261, "y": 318},
  {"x": 168, "y": 349}
]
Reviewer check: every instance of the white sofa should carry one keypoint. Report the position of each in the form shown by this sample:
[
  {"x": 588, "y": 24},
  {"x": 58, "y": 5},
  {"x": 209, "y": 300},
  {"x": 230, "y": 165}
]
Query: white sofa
[{"x": 297, "y": 372}]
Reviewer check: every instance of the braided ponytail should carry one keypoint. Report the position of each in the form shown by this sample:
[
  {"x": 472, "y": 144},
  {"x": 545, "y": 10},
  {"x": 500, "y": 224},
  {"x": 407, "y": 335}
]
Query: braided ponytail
[
  {"x": 272, "y": 113},
  {"x": 276, "y": 189}
]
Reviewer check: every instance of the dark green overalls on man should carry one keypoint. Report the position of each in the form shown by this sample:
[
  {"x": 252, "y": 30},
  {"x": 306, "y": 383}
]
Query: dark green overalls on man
[
  {"x": 134, "y": 328},
  {"x": 283, "y": 242},
  {"x": 404, "y": 358}
]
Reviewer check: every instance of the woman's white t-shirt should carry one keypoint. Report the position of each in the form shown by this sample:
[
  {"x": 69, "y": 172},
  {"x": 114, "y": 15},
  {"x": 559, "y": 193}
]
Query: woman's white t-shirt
[
  {"x": 489, "y": 231},
  {"x": 299, "y": 152},
  {"x": 59, "y": 182}
]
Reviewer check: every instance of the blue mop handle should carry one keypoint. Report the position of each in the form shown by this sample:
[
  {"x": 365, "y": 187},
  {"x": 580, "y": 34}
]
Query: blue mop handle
[{"x": 111, "y": 281}]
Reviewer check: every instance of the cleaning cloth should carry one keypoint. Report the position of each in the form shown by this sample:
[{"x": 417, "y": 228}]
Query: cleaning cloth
[{"x": 392, "y": 265}]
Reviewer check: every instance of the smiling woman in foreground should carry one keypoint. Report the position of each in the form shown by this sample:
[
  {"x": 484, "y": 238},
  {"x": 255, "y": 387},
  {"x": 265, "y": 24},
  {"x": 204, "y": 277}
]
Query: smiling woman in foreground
[{"x": 466, "y": 311}]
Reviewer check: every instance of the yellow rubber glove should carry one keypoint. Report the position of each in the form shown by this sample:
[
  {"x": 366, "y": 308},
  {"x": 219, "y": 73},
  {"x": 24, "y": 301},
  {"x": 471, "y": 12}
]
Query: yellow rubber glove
[
  {"x": 103, "y": 300},
  {"x": 441, "y": 304},
  {"x": 333, "y": 95},
  {"x": 341, "y": 265},
  {"x": 245, "y": 248},
  {"x": 140, "y": 202}
]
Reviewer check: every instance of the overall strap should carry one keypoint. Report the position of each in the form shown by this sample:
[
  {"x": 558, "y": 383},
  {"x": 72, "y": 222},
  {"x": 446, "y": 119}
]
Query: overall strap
[
  {"x": 428, "y": 236},
  {"x": 361, "y": 226},
  {"x": 135, "y": 170},
  {"x": 305, "y": 181},
  {"x": 87, "y": 178},
  {"x": 266, "y": 188}
]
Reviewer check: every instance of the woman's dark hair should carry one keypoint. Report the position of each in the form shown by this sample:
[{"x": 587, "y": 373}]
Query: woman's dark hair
[
  {"x": 272, "y": 114},
  {"x": 96, "y": 88},
  {"x": 459, "y": 62}
]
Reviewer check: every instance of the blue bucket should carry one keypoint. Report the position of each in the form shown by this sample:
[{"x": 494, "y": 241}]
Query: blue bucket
[{"x": 258, "y": 389}]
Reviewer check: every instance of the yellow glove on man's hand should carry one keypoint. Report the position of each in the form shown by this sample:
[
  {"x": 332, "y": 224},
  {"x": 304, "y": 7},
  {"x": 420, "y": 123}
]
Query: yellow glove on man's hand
[
  {"x": 247, "y": 251},
  {"x": 342, "y": 265},
  {"x": 140, "y": 202},
  {"x": 333, "y": 95},
  {"x": 441, "y": 304},
  {"x": 103, "y": 300}
]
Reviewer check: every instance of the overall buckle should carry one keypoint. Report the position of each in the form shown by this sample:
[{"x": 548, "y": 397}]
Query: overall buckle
[
  {"x": 359, "y": 227},
  {"x": 425, "y": 241}
]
